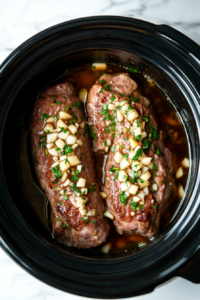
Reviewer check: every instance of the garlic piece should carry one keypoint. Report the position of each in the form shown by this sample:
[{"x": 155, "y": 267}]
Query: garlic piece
[
  {"x": 73, "y": 128},
  {"x": 60, "y": 144},
  {"x": 108, "y": 214},
  {"x": 50, "y": 120},
  {"x": 83, "y": 95},
  {"x": 63, "y": 135},
  {"x": 73, "y": 160},
  {"x": 53, "y": 152},
  {"x": 48, "y": 128},
  {"x": 133, "y": 189},
  {"x": 185, "y": 162},
  {"x": 133, "y": 143},
  {"x": 132, "y": 115},
  {"x": 120, "y": 116},
  {"x": 146, "y": 160},
  {"x": 64, "y": 115},
  {"x": 81, "y": 182},
  {"x": 103, "y": 195},
  {"x": 60, "y": 124},
  {"x": 71, "y": 139},
  {"x": 122, "y": 177},
  {"x": 124, "y": 163},
  {"x": 179, "y": 172},
  {"x": 145, "y": 176},
  {"x": 118, "y": 157},
  {"x": 52, "y": 137},
  {"x": 99, "y": 66},
  {"x": 64, "y": 166}
]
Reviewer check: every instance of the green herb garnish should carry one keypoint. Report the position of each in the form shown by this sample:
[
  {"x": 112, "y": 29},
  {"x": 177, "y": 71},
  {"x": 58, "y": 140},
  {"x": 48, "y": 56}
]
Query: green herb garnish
[
  {"x": 91, "y": 188},
  {"x": 57, "y": 172},
  {"x": 132, "y": 70},
  {"x": 123, "y": 197}
]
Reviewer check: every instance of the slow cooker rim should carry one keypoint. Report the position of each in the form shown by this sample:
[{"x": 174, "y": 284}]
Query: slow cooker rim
[{"x": 105, "y": 19}]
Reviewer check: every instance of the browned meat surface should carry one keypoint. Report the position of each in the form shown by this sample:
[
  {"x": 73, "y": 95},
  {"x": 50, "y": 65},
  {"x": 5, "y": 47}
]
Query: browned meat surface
[
  {"x": 129, "y": 217},
  {"x": 69, "y": 226}
]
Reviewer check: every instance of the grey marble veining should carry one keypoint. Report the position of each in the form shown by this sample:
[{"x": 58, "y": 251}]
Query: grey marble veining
[{"x": 20, "y": 20}]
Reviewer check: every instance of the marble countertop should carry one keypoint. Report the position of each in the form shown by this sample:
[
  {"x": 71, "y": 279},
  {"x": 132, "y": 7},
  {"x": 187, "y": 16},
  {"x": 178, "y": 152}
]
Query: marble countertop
[{"x": 21, "y": 19}]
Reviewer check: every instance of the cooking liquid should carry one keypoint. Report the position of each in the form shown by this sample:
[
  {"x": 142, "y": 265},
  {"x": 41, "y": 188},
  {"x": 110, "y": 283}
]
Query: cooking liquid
[{"x": 176, "y": 141}]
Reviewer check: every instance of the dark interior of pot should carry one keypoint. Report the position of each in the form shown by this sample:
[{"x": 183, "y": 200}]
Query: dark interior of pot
[{"x": 27, "y": 198}]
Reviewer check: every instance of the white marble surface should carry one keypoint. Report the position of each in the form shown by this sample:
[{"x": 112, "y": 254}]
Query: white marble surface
[{"x": 19, "y": 20}]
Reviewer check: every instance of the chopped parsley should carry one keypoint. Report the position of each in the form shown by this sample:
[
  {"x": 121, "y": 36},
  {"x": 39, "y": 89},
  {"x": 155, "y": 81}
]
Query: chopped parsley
[
  {"x": 156, "y": 150},
  {"x": 153, "y": 132},
  {"x": 74, "y": 188},
  {"x": 140, "y": 180},
  {"x": 113, "y": 149},
  {"x": 112, "y": 98},
  {"x": 136, "y": 99},
  {"x": 44, "y": 116},
  {"x": 123, "y": 197},
  {"x": 91, "y": 188},
  {"x": 132, "y": 70},
  {"x": 74, "y": 119},
  {"x": 146, "y": 145},
  {"x": 60, "y": 202},
  {"x": 63, "y": 130},
  {"x": 57, "y": 172},
  {"x": 41, "y": 144},
  {"x": 85, "y": 220},
  {"x": 154, "y": 168},
  {"x": 102, "y": 81},
  {"x": 75, "y": 176},
  {"x": 64, "y": 225},
  {"x": 67, "y": 149},
  {"x": 104, "y": 109},
  {"x": 78, "y": 105},
  {"x": 58, "y": 103},
  {"x": 133, "y": 205},
  {"x": 91, "y": 132},
  {"x": 138, "y": 154},
  {"x": 132, "y": 180},
  {"x": 138, "y": 137},
  {"x": 137, "y": 123},
  {"x": 94, "y": 222},
  {"x": 113, "y": 169},
  {"x": 140, "y": 206},
  {"x": 102, "y": 89}
]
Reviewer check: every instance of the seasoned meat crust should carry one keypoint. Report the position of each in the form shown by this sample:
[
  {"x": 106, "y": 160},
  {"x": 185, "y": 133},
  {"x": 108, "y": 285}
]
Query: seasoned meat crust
[
  {"x": 146, "y": 220},
  {"x": 67, "y": 222}
]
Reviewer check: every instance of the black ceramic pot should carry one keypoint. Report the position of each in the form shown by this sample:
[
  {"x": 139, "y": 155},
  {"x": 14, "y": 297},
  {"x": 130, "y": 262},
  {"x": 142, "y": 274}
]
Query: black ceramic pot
[{"x": 166, "y": 55}]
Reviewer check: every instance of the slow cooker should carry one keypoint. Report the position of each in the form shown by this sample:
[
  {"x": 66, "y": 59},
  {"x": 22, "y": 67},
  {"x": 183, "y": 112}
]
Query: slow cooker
[{"x": 160, "y": 52}]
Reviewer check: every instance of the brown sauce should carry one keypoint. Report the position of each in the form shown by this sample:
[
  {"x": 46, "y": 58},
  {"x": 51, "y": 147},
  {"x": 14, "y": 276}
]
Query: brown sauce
[{"x": 176, "y": 141}]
